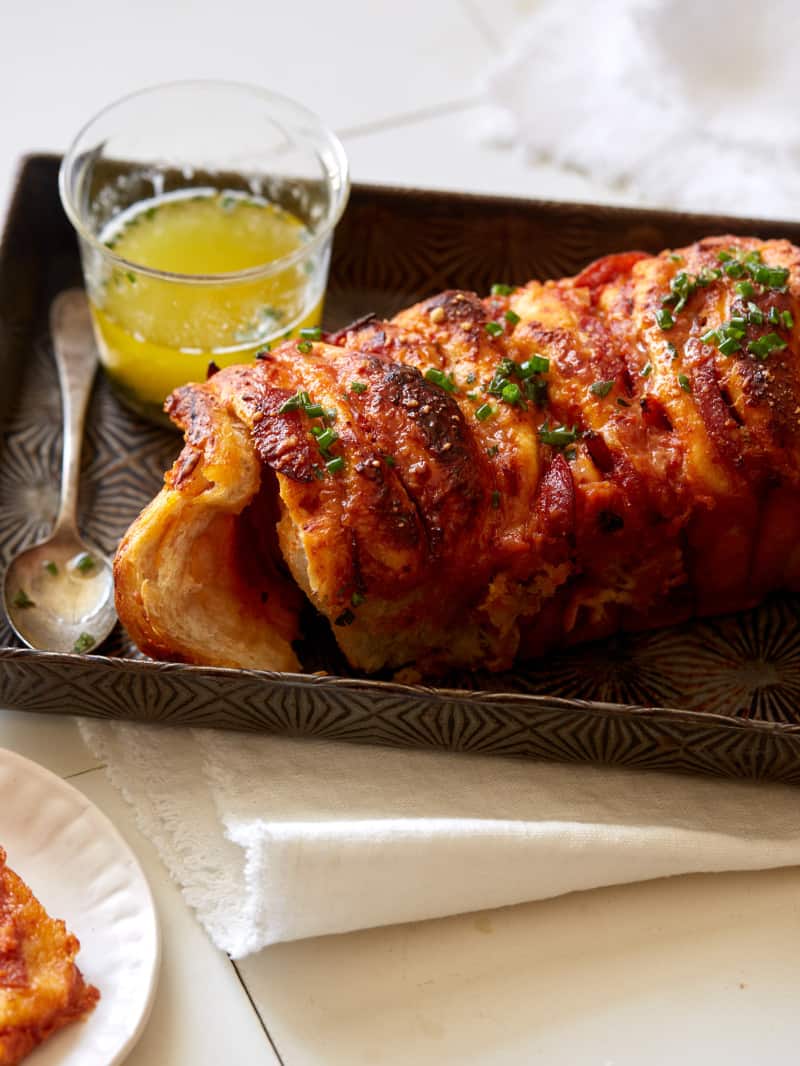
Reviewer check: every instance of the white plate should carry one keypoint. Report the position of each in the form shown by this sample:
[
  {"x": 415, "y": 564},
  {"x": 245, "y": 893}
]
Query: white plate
[{"x": 82, "y": 870}]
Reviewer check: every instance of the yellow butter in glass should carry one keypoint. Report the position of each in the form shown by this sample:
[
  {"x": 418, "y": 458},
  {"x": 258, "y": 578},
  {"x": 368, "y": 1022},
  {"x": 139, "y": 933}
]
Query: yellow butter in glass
[{"x": 156, "y": 333}]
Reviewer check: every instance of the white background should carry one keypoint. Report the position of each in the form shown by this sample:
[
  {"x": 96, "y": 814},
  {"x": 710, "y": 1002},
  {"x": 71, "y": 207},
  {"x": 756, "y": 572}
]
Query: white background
[{"x": 696, "y": 970}]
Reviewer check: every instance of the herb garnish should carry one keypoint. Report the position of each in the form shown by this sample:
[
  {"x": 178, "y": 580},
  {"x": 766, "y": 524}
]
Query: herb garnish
[
  {"x": 684, "y": 383},
  {"x": 22, "y": 599},
  {"x": 484, "y": 411},
  {"x": 532, "y": 389},
  {"x": 438, "y": 377},
  {"x": 511, "y": 317},
  {"x": 646, "y": 370},
  {"x": 762, "y": 347},
  {"x": 499, "y": 289},
  {"x": 558, "y": 436},
  {"x": 601, "y": 388},
  {"x": 358, "y": 387},
  {"x": 664, "y": 318},
  {"x": 50, "y": 567},
  {"x": 85, "y": 562},
  {"x": 494, "y": 329},
  {"x": 84, "y": 642},
  {"x": 304, "y": 347},
  {"x": 323, "y": 435},
  {"x": 495, "y": 499}
]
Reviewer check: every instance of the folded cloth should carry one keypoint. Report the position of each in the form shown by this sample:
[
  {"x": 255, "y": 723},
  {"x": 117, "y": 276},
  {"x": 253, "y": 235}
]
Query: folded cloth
[
  {"x": 275, "y": 839},
  {"x": 672, "y": 102}
]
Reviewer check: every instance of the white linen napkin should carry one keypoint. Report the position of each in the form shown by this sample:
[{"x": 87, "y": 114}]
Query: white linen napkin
[
  {"x": 686, "y": 103},
  {"x": 275, "y": 839}
]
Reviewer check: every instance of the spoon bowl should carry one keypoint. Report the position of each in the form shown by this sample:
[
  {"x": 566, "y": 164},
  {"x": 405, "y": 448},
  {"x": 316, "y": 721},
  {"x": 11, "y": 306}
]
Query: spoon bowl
[{"x": 59, "y": 593}]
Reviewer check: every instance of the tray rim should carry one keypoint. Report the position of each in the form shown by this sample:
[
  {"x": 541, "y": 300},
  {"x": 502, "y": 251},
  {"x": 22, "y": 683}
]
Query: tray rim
[
  {"x": 433, "y": 694},
  {"x": 412, "y": 192}
]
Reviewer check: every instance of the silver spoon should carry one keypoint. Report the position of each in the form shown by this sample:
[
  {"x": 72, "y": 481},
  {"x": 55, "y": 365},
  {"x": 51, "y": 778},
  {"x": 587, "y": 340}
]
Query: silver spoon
[{"x": 59, "y": 594}]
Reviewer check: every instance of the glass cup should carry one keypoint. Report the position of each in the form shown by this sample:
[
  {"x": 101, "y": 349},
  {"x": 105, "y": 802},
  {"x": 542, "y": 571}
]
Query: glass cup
[{"x": 205, "y": 214}]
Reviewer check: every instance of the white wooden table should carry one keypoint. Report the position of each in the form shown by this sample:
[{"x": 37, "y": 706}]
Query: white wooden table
[{"x": 696, "y": 970}]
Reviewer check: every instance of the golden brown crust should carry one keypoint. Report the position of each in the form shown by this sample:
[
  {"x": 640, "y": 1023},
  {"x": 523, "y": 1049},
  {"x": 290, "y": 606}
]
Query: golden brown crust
[
  {"x": 670, "y": 488},
  {"x": 41, "y": 988}
]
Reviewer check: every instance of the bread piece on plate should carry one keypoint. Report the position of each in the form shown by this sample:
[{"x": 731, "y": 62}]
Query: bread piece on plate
[{"x": 41, "y": 988}]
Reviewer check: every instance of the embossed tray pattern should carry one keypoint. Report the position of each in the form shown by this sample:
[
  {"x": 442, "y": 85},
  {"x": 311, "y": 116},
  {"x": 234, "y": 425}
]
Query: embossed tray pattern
[{"x": 721, "y": 696}]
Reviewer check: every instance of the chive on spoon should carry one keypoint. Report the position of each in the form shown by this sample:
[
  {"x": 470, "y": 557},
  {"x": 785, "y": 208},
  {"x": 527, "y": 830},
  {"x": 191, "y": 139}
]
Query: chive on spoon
[{"x": 59, "y": 594}]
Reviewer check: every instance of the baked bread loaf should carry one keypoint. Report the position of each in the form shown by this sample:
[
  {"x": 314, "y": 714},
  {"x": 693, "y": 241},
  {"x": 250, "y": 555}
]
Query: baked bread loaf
[{"x": 481, "y": 479}]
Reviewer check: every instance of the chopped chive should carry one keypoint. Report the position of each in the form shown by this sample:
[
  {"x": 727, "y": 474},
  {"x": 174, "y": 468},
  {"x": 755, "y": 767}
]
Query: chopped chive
[
  {"x": 131, "y": 277},
  {"x": 706, "y": 277},
  {"x": 711, "y": 336},
  {"x": 511, "y": 317},
  {"x": 675, "y": 257},
  {"x": 51, "y": 568},
  {"x": 511, "y": 393},
  {"x": 788, "y": 321},
  {"x": 85, "y": 562},
  {"x": 754, "y": 314},
  {"x": 470, "y": 378},
  {"x": 762, "y": 347},
  {"x": 734, "y": 269},
  {"x": 673, "y": 351},
  {"x": 326, "y": 438},
  {"x": 357, "y": 599},
  {"x": 311, "y": 333},
  {"x": 683, "y": 381},
  {"x": 484, "y": 411},
  {"x": 770, "y": 277},
  {"x": 601, "y": 388},
  {"x": 22, "y": 599},
  {"x": 84, "y": 642},
  {"x": 730, "y": 345},
  {"x": 646, "y": 370},
  {"x": 499, "y": 289},
  {"x": 724, "y": 256},
  {"x": 745, "y": 290},
  {"x": 622, "y": 402},
  {"x": 495, "y": 499},
  {"x": 494, "y": 329},
  {"x": 333, "y": 466},
  {"x": 774, "y": 317},
  {"x": 536, "y": 392},
  {"x": 389, "y": 459},
  {"x": 358, "y": 386},
  {"x": 537, "y": 364},
  {"x": 304, "y": 347},
  {"x": 664, "y": 318},
  {"x": 471, "y": 395},
  {"x": 346, "y": 618},
  {"x": 314, "y": 410},
  {"x": 438, "y": 377},
  {"x": 492, "y": 450},
  {"x": 317, "y": 431},
  {"x": 558, "y": 436},
  {"x": 571, "y": 453}
]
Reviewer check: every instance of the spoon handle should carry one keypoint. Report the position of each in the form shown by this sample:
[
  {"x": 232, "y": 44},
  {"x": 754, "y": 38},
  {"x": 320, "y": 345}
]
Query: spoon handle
[{"x": 76, "y": 359}]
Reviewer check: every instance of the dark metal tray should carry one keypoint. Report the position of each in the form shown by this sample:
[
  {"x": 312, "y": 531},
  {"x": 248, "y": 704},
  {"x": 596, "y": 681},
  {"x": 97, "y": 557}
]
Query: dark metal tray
[{"x": 720, "y": 696}]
